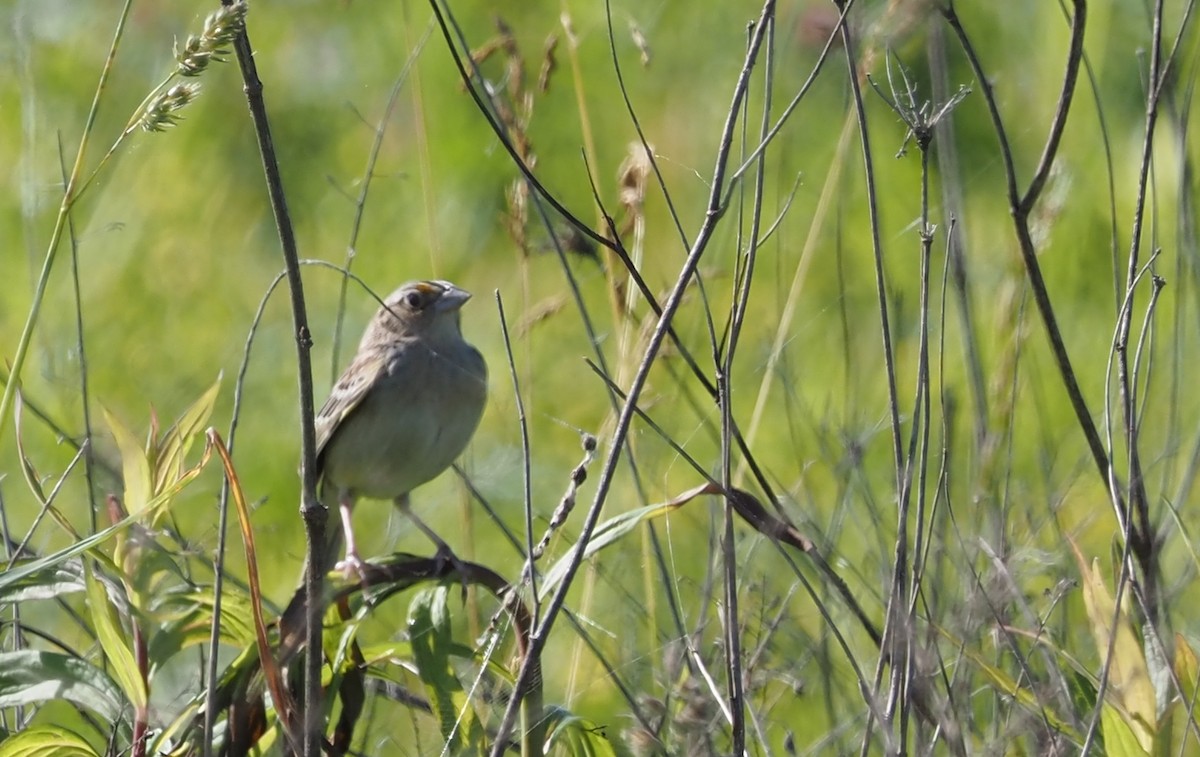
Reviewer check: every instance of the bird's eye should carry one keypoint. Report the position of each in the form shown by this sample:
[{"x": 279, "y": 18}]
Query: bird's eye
[{"x": 413, "y": 300}]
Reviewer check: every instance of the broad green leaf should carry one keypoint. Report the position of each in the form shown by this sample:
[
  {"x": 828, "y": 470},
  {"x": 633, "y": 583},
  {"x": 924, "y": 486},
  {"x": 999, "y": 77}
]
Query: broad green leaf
[
  {"x": 46, "y": 741},
  {"x": 31, "y": 677},
  {"x": 1082, "y": 689},
  {"x": 157, "y": 507},
  {"x": 135, "y": 467},
  {"x": 430, "y": 637},
  {"x": 1129, "y": 684},
  {"x": 148, "y": 566},
  {"x": 178, "y": 440},
  {"x": 112, "y": 640},
  {"x": 1176, "y": 732}
]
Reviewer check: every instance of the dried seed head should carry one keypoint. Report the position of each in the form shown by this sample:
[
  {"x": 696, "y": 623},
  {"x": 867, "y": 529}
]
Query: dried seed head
[
  {"x": 163, "y": 111},
  {"x": 632, "y": 175},
  {"x": 218, "y": 34}
]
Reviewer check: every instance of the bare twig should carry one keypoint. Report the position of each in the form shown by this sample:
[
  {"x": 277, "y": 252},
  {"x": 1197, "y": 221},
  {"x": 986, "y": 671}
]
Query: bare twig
[{"x": 311, "y": 509}]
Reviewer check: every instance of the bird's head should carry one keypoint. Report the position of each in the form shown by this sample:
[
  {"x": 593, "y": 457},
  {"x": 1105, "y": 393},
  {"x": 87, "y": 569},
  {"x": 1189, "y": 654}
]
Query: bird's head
[{"x": 428, "y": 309}]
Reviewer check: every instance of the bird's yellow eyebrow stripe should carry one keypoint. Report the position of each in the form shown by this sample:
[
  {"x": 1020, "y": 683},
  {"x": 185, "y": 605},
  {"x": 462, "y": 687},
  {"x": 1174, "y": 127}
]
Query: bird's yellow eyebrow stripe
[{"x": 426, "y": 287}]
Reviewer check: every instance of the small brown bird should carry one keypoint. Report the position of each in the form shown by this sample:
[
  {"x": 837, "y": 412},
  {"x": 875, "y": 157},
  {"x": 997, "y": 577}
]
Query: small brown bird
[{"x": 404, "y": 409}]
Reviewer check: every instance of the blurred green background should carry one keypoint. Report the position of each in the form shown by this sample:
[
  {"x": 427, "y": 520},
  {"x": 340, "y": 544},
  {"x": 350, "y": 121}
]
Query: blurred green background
[{"x": 176, "y": 246}]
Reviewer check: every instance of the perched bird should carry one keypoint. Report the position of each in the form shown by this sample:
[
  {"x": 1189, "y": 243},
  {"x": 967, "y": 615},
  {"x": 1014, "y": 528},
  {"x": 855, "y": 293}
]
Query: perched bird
[{"x": 404, "y": 409}]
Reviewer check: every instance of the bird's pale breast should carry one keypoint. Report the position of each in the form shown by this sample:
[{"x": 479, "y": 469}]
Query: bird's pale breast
[{"x": 411, "y": 425}]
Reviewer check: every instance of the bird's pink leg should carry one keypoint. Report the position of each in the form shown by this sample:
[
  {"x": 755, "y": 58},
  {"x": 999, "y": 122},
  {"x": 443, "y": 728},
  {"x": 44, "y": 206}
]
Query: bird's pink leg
[{"x": 352, "y": 561}]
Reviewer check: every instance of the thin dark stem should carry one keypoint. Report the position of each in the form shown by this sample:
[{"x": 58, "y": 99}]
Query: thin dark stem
[
  {"x": 311, "y": 509},
  {"x": 85, "y": 396},
  {"x": 785, "y": 115},
  {"x": 1066, "y": 96},
  {"x": 474, "y": 83},
  {"x": 526, "y": 458},
  {"x": 921, "y": 411}
]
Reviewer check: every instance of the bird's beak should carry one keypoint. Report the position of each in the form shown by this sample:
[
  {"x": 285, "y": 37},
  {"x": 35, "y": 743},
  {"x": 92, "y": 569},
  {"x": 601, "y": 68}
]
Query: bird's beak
[{"x": 452, "y": 298}]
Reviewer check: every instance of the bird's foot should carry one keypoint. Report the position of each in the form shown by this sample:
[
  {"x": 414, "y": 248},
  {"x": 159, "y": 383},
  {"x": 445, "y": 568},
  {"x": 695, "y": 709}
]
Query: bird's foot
[{"x": 352, "y": 567}]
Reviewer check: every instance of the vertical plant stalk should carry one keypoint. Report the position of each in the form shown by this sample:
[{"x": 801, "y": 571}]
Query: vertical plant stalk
[
  {"x": 1139, "y": 529},
  {"x": 311, "y": 509},
  {"x": 732, "y": 616},
  {"x": 918, "y": 460},
  {"x": 901, "y": 623},
  {"x": 89, "y": 456}
]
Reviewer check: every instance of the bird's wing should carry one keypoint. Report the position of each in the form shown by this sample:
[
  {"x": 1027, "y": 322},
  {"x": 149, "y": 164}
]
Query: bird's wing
[{"x": 366, "y": 369}]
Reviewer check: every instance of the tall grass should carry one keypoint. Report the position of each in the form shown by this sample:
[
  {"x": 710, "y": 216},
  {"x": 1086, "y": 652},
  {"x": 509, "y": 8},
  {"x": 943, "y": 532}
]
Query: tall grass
[{"x": 839, "y": 404}]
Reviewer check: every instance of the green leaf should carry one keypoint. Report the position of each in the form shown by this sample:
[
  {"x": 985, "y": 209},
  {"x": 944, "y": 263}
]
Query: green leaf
[
  {"x": 51, "y": 583},
  {"x": 46, "y": 741},
  {"x": 178, "y": 440},
  {"x": 112, "y": 640},
  {"x": 135, "y": 465},
  {"x": 432, "y": 645},
  {"x": 30, "y": 677}
]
